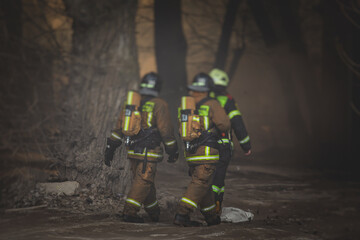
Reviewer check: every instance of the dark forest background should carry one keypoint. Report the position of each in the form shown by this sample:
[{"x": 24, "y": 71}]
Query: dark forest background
[{"x": 65, "y": 66}]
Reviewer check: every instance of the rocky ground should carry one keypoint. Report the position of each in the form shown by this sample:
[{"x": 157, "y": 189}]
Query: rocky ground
[{"x": 288, "y": 203}]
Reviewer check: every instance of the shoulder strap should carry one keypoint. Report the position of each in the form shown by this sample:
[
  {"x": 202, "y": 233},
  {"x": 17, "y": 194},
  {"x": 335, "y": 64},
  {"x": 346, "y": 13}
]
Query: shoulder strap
[
  {"x": 144, "y": 100},
  {"x": 202, "y": 101}
]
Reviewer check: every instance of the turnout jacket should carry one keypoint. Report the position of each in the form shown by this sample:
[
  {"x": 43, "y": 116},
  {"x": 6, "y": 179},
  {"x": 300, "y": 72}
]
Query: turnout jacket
[
  {"x": 217, "y": 121},
  {"x": 237, "y": 124},
  {"x": 154, "y": 114}
]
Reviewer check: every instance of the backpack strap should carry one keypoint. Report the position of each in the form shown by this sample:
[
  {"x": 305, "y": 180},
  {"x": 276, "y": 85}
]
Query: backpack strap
[
  {"x": 144, "y": 100},
  {"x": 202, "y": 101}
]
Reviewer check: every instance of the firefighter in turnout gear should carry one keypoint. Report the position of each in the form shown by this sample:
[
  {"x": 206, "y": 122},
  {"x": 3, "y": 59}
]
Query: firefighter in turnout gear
[
  {"x": 221, "y": 81},
  {"x": 144, "y": 124},
  {"x": 202, "y": 152}
]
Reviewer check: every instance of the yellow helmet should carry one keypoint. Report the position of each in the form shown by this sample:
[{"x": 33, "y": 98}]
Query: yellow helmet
[{"x": 220, "y": 77}]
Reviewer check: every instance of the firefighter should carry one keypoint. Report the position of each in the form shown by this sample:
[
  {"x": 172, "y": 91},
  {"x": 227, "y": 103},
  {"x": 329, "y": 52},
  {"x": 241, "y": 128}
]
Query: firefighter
[
  {"x": 221, "y": 81},
  {"x": 144, "y": 149},
  {"x": 203, "y": 155}
]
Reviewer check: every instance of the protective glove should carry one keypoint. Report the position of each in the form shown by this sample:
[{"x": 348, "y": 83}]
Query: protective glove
[{"x": 111, "y": 146}]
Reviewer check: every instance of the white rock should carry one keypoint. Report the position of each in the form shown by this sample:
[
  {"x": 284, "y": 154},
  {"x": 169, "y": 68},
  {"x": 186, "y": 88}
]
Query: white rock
[{"x": 68, "y": 188}]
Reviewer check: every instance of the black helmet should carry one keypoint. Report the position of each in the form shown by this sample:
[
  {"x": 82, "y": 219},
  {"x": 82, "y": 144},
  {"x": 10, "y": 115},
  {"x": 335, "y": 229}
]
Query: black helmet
[
  {"x": 150, "y": 84},
  {"x": 201, "y": 83}
]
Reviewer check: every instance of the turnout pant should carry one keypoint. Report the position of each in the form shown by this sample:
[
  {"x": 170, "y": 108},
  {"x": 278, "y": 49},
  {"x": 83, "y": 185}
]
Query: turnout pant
[
  {"x": 142, "y": 190},
  {"x": 199, "y": 192},
  {"x": 218, "y": 185}
]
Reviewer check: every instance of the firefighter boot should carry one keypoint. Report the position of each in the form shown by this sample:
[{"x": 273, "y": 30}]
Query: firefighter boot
[
  {"x": 154, "y": 214},
  {"x": 133, "y": 219},
  {"x": 213, "y": 220},
  {"x": 184, "y": 221},
  {"x": 218, "y": 207}
]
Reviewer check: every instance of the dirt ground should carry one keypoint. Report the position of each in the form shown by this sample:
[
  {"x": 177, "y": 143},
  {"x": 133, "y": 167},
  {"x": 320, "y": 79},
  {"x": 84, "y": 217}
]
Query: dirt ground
[{"x": 288, "y": 203}]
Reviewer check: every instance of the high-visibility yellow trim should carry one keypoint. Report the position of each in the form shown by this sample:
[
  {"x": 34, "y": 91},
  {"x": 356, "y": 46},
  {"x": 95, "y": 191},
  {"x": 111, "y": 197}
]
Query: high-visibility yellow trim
[
  {"x": 134, "y": 202},
  {"x": 234, "y": 113},
  {"x": 201, "y": 158},
  {"x": 208, "y": 208},
  {"x": 215, "y": 189},
  {"x": 149, "y": 154},
  {"x": 188, "y": 201},
  {"x": 222, "y": 189},
  {"x": 115, "y": 135},
  {"x": 148, "y": 106},
  {"x": 198, "y": 84},
  {"x": 207, "y": 151},
  {"x": 127, "y": 122},
  {"x": 206, "y": 123},
  {"x": 245, "y": 140},
  {"x": 183, "y": 103},
  {"x": 152, "y": 204},
  {"x": 204, "y": 112},
  {"x": 147, "y": 85},
  {"x": 223, "y": 140},
  {"x": 183, "y": 124},
  {"x": 196, "y": 119},
  {"x": 169, "y": 143},
  {"x": 222, "y": 100},
  {"x": 129, "y": 97},
  {"x": 149, "y": 119}
]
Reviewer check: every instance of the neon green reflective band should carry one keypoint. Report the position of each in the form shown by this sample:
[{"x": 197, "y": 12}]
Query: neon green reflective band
[
  {"x": 234, "y": 113},
  {"x": 206, "y": 123},
  {"x": 222, "y": 100},
  {"x": 183, "y": 125},
  {"x": 147, "y": 85},
  {"x": 127, "y": 121},
  {"x": 148, "y": 106},
  {"x": 132, "y": 201},
  {"x": 188, "y": 201},
  {"x": 152, "y": 204},
  {"x": 115, "y": 135},
  {"x": 207, "y": 151},
  {"x": 208, "y": 208},
  {"x": 183, "y": 103},
  {"x": 224, "y": 140},
  {"x": 149, "y": 154},
  {"x": 149, "y": 119},
  {"x": 245, "y": 140},
  {"x": 200, "y": 158},
  {"x": 129, "y": 97},
  {"x": 169, "y": 143},
  {"x": 198, "y": 84},
  {"x": 215, "y": 189},
  {"x": 222, "y": 189}
]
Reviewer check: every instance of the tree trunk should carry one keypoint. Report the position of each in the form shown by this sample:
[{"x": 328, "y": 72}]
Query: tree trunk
[
  {"x": 332, "y": 126},
  {"x": 263, "y": 21},
  {"x": 227, "y": 27},
  {"x": 104, "y": 67},
  {"x": 170, "y": 51}
]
